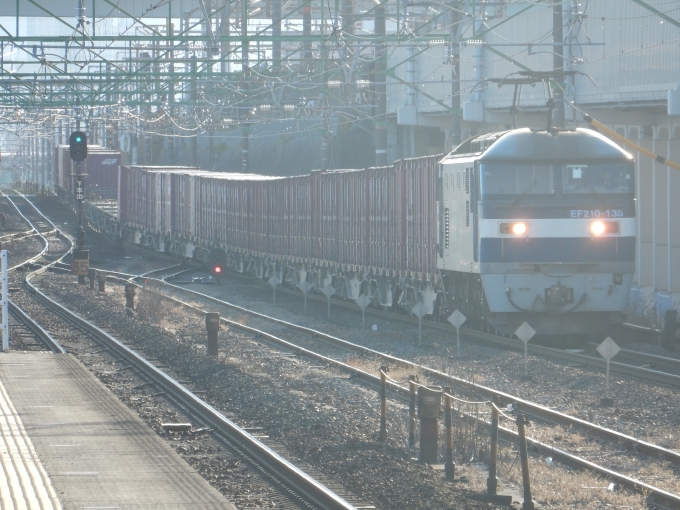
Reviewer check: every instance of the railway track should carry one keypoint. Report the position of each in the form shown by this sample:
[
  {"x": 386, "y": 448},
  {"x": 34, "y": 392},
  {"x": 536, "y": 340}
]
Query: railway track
[
  {"x": 26, "y": 332},
  {"x": 310, "y": 491},
  {"x": 640, "y": 365},
  {"x": 537, "y": 411},
  {"x": 296, "y": 488},
  {"x": 312, "y": 339}
]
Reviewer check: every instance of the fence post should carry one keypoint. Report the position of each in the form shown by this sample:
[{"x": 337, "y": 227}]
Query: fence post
[
  {"x": 382, "y": 435},
  {"x": 412, "y": 380},
  {"x": 492, "y": 481},
  {"x": 449, "y": 465},
  {"x": 522, "y": 422}
]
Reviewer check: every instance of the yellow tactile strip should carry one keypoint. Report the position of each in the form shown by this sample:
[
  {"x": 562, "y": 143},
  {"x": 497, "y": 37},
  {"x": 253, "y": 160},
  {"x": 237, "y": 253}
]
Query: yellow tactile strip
[{"x": 24, "y": 484}]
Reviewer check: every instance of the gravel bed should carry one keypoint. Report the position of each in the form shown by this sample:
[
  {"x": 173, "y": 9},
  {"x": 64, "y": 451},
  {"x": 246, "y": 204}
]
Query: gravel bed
[
  {"x": 321, "y": 416},
  {"x": 643, "y": 410},
  {"x": 648, "y": 415},
  {"x": 571, "y": 389},
  {"x": 230, "y": 473}
]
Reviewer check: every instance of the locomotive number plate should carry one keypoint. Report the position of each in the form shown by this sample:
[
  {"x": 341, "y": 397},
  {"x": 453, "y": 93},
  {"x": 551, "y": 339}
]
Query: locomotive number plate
[{"x": 597, "y": 213}]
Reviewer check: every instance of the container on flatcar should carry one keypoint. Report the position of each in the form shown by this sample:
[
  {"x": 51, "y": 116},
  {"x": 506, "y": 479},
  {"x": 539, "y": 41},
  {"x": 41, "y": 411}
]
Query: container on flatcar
[{"x": 100, "y": 169}]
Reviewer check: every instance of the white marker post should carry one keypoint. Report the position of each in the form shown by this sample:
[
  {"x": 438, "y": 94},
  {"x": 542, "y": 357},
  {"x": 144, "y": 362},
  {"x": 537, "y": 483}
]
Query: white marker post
[
  {"x": 274, "y": 281},
  {"x": 328, "y": 290},
  {"x": 305, "y": 287},
  {"x": 457, "y": 319},
  {"x": 363, "y": 301},
  {"x": 608, "y": 349},
  {"x": 525, "y": 333},
  {"x": 420, "y": 311},
  {"x": 5, "y": 301}
]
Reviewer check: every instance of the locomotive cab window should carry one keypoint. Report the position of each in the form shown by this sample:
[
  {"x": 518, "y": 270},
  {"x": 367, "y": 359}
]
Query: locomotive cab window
[
  {"x": 516, "y": 179},
  {"x": 598, "y": 178}
]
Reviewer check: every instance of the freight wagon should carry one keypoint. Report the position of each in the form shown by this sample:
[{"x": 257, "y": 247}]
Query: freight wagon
[{"x": 372, "y": 231}]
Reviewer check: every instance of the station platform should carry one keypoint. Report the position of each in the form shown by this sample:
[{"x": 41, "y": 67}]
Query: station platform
[{"x": 66, "y": 442}]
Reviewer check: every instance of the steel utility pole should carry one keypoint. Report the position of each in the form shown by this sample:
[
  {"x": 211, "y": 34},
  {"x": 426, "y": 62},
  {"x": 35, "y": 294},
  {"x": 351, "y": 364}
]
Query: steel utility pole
[
  {"x": 380, "y": 89},
  {"x": 558, "y": 65},
  {"x": 454, "y": 56}
]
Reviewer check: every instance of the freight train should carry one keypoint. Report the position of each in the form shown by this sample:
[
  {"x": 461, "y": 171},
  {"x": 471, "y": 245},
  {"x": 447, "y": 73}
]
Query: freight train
[{"x": 516, "y": 226}]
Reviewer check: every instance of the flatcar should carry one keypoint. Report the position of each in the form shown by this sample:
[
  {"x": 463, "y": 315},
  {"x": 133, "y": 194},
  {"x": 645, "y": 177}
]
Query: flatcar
[{"x": 540, "y": 227}]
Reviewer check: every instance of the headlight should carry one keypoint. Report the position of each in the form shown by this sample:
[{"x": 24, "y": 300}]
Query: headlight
[
  {"x": 598, "y": 228},
  {"x": 518, "y": 228}
]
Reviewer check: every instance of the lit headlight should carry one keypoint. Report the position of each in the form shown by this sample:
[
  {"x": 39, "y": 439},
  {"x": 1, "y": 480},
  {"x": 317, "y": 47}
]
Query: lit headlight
[
  {"x": 518, "y": 228},
  {"x": 598, "y": 228}
]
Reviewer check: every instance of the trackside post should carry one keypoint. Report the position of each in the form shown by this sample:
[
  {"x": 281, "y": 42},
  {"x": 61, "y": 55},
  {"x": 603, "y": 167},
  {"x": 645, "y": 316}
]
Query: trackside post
[
  {"x": 212, "y": 326},
  {"x": 412, "y": 380},
  {"x": 449, "y": 465},
  {"x": 101, "y": 280},
  {"x": 130, "y": 291},
  {"x": 382, "y": 435},
  {"x": 5, "y": 301},
  {"x": 429, "y": 407},
  {"x": 522, "y": 422},
  {"x": 492, "y": 480}
]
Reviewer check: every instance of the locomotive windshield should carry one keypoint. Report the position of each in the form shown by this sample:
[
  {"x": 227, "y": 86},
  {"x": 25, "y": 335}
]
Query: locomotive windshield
[{"x": 512, "y": 180}]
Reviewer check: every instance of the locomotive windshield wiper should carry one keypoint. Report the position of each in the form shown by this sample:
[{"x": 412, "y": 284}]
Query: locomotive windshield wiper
[
  {"x": 525, "y": 192},
  {"x": 597, "y": 196}
]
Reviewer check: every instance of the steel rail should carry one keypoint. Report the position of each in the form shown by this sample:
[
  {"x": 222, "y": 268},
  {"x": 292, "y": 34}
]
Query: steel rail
[
  {"x": 19, "y": 314},
  {"x": 530, "y": 407},
  {"x": 651, "y": 359},
  {"x": 505, "y": 343},
  {"x": 525, "y": 406},
  {"x": 269, "y": 459},
  {"x": 36, "y": 329},
  {"x": 34, "y": 229}
]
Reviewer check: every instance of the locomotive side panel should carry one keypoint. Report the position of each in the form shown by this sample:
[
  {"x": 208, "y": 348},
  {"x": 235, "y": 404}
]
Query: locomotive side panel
[{"x": 459, "y": 216}]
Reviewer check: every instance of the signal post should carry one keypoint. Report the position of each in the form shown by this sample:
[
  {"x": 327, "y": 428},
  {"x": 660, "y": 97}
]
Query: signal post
[{"x": 80, "y": 263}]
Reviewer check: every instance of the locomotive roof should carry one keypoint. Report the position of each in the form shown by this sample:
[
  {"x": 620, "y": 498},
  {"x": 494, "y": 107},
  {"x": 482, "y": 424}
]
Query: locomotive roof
[{"x": 529, "y": 145}]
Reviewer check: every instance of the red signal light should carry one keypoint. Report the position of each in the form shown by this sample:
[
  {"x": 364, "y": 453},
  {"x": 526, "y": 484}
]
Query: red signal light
[{"x": 217, "y": 269}]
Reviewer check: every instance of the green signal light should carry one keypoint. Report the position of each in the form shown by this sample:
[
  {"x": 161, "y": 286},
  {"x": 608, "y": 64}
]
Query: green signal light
[{"x": 78, "y": 139}]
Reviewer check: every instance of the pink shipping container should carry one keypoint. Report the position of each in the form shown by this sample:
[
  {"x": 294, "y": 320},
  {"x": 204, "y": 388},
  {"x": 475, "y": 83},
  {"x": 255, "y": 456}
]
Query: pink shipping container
[{"x": 379, "y": 217}]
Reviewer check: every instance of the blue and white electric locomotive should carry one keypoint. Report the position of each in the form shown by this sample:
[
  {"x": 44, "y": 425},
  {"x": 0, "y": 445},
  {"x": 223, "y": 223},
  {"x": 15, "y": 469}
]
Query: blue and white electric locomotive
[{"x": 540, "y": 227}]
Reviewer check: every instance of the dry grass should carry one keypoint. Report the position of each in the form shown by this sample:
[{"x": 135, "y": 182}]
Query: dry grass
[
  {"x": 152, "y": 308},
  {"x": 553, "y": 485}
]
